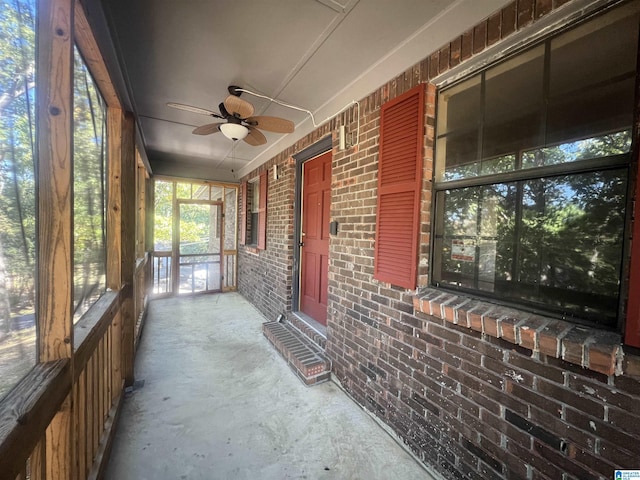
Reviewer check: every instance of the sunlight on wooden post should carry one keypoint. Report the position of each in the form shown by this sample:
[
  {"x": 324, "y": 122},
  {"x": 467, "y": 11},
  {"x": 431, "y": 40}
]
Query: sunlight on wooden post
[
  {"x": 55, "y": 212},
  {"x": 121, "y": 214}
]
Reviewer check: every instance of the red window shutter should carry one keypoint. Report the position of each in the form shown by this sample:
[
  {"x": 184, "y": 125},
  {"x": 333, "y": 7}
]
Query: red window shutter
[
  {"x": 262, "y": 212},
  {"x": 243, "y": 214},
  {"x": 399, "y": 185}
]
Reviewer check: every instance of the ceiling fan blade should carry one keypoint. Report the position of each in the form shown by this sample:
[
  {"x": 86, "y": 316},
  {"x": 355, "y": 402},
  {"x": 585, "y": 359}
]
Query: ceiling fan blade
[
  {"x": 238, "y": 107},
  {"x": 271, "y": 124},
  {"x": 207, "y": 129},
  {"x": 190, "y": 108},
  {"x": 255, "y": 137}
]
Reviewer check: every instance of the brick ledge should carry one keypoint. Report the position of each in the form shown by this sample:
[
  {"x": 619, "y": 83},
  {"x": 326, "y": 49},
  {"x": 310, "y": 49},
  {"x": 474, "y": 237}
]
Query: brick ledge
[{"x": 597, "y": 350}]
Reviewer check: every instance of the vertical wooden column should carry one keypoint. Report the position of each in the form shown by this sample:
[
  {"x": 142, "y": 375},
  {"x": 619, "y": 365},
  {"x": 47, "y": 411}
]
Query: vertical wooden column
[
  {"x": 121, "y": 216},
  {"x": 55, "y": 213},
  {"x": 113, "y": 247},
  {"x": 128, "y": 244}
]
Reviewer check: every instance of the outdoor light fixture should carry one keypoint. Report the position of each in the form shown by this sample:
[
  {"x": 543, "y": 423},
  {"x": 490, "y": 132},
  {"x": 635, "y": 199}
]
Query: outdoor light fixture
[{"x": 234, "y": 131}]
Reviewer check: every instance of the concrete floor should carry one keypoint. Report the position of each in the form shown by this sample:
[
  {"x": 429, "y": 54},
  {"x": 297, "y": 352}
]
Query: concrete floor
[{"x": 219, "y": 403}]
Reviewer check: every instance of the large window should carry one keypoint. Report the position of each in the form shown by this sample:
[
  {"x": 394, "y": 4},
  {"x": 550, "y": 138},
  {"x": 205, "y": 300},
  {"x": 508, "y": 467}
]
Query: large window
[
  {"x": 532, "y": 170},
  {"x": 89, "y": 187},
  {"x": 17, "y": 192}
]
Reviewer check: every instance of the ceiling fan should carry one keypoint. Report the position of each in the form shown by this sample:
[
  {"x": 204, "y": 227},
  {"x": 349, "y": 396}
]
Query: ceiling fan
[{"x": 239, "y": 124}]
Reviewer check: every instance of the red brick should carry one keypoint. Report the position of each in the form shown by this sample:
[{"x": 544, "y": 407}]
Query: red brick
[
  {"x": 464, "y": 312},
  {"x": 474, "y": 319},
  {"x": 490, "y": 325},
  {"x": 508, "y": 24},
  {"x": 509, "y": 329},
  {"x": 494, "y": 28},
  {"x": 543, "y": 7},
  {"x": 604, "y": 352},
  {"x": 550, "y": 337},
  {"x": 479, "y": 37},
  {"x": 433, "y": 65},
  {"x": 603, "y": 430},
  {"x": 578, "y": 401},
  {"x": 456, "y": 47},
  {"x": 603, "y": 358},
  {"x": 626, "y": 421},
  {"x": 574, "y": 345},
  {"x": 536, "y": 367},
  {"x": 466, "y": 48},
  {"x": 525, "y": 12},
  {"x": 604, "y": 393},
  {"x": 444, "y": 59},
  {"x": 451, "y": 309},
  {"x": 483, "y": 347}
]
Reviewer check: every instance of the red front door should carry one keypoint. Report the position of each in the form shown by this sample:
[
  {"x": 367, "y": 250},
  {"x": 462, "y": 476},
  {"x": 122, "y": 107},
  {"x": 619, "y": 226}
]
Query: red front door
[{"x": 316, "y": 202}]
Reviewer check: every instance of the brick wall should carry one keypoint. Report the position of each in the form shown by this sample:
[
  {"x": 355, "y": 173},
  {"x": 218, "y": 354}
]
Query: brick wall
[{"x": 469, "y": 401}]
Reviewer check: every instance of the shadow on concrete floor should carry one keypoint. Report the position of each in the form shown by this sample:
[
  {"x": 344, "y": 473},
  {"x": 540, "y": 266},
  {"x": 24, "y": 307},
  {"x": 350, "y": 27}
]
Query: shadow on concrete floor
[{"x": 219, "y": 403}]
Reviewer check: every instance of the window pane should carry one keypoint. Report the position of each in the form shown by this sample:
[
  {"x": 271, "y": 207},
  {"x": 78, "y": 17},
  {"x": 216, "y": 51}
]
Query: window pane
[
  {"x": 17, "y": 195},
  {"x": 89, "y": 185},
  {"x": 163, "y": 216},
  {"x": 592, "y": 77},
  {"x": 602, "y": 146},
  {"x": 571, "y": 242},
  {"x": 458, "y": 127},
  {"x": 201, "y": 192},
  {"x": 216, "y": 193},
  {"x": 560, "y": 246},
  {"x": 567, "y": 100},
  {"x": 255, "y": 197},
  {"x": 183, "y": 190},
  {"x": 513, "y": 121}
]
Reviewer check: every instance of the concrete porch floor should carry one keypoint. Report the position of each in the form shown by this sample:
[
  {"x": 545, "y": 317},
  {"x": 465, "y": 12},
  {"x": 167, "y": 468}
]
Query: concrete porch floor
[{"x": 219, "y": 403}]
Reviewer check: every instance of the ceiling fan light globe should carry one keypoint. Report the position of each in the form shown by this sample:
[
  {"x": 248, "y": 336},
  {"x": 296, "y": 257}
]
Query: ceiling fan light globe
[{"x": 234, "y": 131}]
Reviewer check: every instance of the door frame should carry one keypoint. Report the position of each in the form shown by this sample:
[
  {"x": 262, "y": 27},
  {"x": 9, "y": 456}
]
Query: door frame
[
  {"x": 175, "y": 250},
  {"x": 322, "y": 146}
]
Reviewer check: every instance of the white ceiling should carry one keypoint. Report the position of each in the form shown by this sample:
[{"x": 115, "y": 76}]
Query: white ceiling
[{"x": 316, "y": 54}]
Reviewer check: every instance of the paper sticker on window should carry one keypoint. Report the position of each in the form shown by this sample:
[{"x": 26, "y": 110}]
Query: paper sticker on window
[{"x": 463, "y": 250}]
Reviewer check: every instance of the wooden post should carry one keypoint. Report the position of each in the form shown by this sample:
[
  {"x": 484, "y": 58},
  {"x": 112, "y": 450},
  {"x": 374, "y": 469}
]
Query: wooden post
[
  {"x": 128, "y": 233},
  {"x": 121, "y": 217},
  {"x": 55, "y": 213},
  {"x": 113, "y": 247}
]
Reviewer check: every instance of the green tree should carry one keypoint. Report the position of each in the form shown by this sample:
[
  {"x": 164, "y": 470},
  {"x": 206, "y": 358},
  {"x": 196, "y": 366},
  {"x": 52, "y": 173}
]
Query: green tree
[{"x": 17, "y": 186}]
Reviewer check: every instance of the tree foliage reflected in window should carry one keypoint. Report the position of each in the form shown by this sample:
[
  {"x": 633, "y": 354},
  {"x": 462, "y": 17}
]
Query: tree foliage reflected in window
[
  {"x": 532, "y": 169},
  {"x": 17, "y": 191},
  {"x": 89, "y": 185}
]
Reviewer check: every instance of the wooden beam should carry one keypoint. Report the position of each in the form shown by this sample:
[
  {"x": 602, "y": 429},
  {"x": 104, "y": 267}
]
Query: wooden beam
[
  {"x": 114, "y": 202},
  {"x": 128, "y": 245},
  {"x": 54, "y": 299},
  {"x": 121, "y": 218},
  {"x": 55, "y": 179},
  {"x": 93, "y": 58},
  {"x": 26, "y": 412}
]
